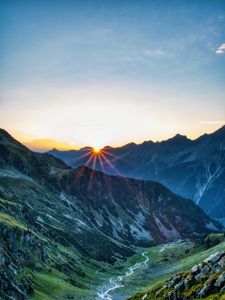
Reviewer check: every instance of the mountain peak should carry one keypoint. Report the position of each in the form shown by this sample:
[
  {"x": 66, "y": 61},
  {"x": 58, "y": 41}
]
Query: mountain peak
[
  {"x": 180, "y": 137},
  {"x": 6, "y": 138},
  {"x": 221, "y": 130},
  {"x": 177, "y": 139},
  {"x": 4, "y": 133}
]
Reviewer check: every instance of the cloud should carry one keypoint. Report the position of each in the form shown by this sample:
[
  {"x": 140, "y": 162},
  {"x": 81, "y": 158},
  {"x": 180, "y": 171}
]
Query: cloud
[
  {"x": 220, "y": 49},
  {"x": 212, "y": 122},
  {"x": 154, "y": 52}
]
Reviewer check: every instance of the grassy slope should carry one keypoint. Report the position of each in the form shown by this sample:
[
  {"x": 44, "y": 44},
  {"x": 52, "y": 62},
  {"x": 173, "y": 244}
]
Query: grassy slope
[
  {"x": 58, "y": 278},
  {"x": 68, "y": 271},
  {"x": 65, "y": 274}
]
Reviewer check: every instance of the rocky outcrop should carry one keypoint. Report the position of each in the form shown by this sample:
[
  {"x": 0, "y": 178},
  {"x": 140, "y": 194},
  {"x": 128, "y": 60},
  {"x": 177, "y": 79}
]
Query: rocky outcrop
[
  {"x": 19, "y": 249},
  {"x": 205, "y": 279}
]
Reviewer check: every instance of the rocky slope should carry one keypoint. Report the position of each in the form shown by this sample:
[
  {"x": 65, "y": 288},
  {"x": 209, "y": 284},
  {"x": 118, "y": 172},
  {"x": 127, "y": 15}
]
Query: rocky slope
[
  {"x": 204, "y": 279},
  {"x": 59, "y": 226},
  {"x": 194, "y": 169}
]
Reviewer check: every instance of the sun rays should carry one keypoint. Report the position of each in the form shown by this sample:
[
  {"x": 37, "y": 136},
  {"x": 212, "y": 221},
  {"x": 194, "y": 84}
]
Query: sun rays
[
  {"x": 96, "y": 150},
  {"x": 99, "y": 159}
]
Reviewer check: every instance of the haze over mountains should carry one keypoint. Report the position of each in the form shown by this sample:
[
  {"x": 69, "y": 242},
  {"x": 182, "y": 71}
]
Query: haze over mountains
[
  {"x": 51, "y": 213},
  {"x": 194, "y": 169}
]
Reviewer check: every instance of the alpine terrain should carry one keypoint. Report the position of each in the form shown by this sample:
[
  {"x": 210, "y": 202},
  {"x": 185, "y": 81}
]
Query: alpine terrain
[
  {"x": 59, "y": 226},
  {"x": 194, "y": 169}
]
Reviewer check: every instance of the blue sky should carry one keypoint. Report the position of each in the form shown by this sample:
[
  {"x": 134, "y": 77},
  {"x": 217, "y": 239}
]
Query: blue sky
[{"x": 152, "y": 67}]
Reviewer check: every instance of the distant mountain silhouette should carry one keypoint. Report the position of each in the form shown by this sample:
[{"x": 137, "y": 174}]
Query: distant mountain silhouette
[{"x": 192, "y": 168}]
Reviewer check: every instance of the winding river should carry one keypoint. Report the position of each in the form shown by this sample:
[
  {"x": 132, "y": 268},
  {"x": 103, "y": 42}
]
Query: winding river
[{"x": 117, "y": 282}]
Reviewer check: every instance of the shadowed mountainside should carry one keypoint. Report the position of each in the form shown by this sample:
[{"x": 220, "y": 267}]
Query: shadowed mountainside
[{"x": 194, "y": 169}]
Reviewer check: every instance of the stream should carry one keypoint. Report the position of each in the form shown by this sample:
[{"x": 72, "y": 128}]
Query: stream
[{"x": 117, "y": 282}]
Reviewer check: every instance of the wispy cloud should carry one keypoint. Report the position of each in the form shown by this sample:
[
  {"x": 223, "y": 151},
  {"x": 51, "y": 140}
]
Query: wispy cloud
[
  {"x": 154, "y": 52},
  {"x": 212, "y": 122},
  {"x": 220, "y": 49}
]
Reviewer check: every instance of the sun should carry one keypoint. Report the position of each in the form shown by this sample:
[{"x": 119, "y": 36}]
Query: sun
[{"x": 96, "y": 150}]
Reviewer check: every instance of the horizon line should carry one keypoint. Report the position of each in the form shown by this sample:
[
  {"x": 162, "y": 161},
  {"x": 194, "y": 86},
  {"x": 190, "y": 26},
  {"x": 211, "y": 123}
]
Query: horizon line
[{"x": 46, "y": 149}]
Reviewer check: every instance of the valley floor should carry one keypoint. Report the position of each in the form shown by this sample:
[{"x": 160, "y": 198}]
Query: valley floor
[{"x": 150, "y": 267}]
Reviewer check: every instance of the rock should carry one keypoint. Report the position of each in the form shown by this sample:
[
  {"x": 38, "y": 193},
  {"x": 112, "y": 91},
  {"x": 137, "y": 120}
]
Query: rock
[
  {"x": 204, "y": 271},
  {"x": 204, "y": 291},
  {"x": 195, "y": 269},
  {"x": 213, "y": 258},
  {"x": 174, "y": 281},
  {"x": 210, "y": 276},
  {"x": 188, "y": 281},
  {"x": 144, "y": 297},
  {"x": 222, "y": 262},
  {"x": 179, "y": 285},
  {"x": 172, "y": 295},
  {"x": 220, "y": 281},
  {"x": 217, "y": 268},
  {"x": 222, "y": 290}
]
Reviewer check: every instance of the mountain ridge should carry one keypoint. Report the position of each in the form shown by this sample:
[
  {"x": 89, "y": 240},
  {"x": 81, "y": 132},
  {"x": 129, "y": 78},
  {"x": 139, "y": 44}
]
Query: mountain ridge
[
  {"x": 61, "y": 226},
  {"x": 79, "y": 182},
  {"x": 194, "y": 169}
]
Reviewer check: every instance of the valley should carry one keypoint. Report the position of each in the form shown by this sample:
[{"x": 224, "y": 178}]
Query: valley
[
  {"x": 81, "y": 234},
  {"x": 160, "y": 263},
  {"x": 112, "y": 150}
]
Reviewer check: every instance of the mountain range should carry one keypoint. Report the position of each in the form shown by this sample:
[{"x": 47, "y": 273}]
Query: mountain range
[
  {"x": 194, "y": 169},
  {"x": 66, "y": 222}
]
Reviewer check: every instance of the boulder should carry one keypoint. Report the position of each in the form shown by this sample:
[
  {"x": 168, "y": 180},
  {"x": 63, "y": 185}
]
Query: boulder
[
  {"x": 204, "y": 291},
  {"x": 220, "y": 282},
  {"x": 213, "y": 258},
  {"x": 179, "y": 285},
  {"x": 174, "y": 281},
  {"x": 195, "y": 269},
  {"x": 144, "y": 297},
  {"x": 188, "y": 281},
  {"x": 203, "y": 272}
]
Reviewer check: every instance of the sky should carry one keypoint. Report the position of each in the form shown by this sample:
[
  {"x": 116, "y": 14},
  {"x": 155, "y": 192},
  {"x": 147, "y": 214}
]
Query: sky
[{"x": 78, "y": 73}]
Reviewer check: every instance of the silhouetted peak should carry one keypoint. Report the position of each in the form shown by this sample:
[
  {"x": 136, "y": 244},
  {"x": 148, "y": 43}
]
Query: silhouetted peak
[
  {"x": 221, "y": 130},
  {"x": 5, "y": 134},
  {"x": 6, "y": 138},
  {"x": 107, "y": 147},
  {"x": 130, "y": 145},
  {"x": 177, "y": 139},
  {"x": 87, "y": 148},
  {"x": 180, "y": 137}
]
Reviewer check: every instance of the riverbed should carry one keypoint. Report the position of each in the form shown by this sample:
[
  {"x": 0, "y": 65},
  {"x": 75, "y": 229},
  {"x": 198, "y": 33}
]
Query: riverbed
[
  {"x": 143, "y": 272},
  {"x": 107, "y": 292}
]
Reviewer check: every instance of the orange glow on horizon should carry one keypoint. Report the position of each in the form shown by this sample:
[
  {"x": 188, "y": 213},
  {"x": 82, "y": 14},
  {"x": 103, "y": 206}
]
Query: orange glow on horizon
[
  {"x": 46, "y": 144},
  {"x": 96, "y": 150}
]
